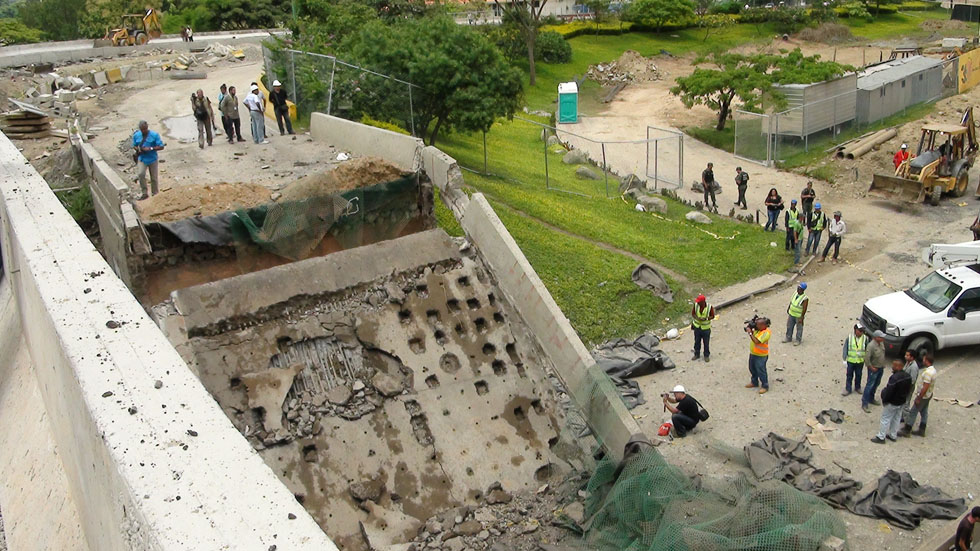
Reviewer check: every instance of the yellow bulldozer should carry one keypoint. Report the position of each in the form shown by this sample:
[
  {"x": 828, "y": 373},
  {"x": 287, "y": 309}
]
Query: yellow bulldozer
[
  {"x": 136, "y": 29},
  {"x": 941, "y": 164}
]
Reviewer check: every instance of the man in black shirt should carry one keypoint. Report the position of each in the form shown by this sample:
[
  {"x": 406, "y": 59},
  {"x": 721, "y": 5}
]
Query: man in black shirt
[
  {"x": 893, "y": 397},
  {"x": 708, "y": 183},
  {"x": 685, "y": 416},
  {"x": 281, "y": 108},
  {"x": 964, "y": 531},
  {"x": 742, "y": 183}
]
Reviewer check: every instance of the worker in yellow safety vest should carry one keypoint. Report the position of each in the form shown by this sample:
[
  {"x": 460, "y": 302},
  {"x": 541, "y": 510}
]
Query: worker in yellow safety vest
[
  {"x": 853, "y": 355},
  {"x": 816, "y": 224},
  {"x": 759, "y": 353},
  {"x": 797, "y": 311},
  {"x": 702, "y": 313}
]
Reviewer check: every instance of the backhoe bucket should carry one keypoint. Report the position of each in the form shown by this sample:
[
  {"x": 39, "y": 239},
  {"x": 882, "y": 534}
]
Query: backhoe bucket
[{"x": 897, "y": 188}]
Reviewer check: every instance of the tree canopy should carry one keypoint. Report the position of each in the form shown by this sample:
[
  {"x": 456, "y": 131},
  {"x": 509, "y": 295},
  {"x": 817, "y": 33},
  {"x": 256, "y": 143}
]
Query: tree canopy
[
  {"x": 657, "y": 13},
  {"x": 525, "y": 15},
  {"x": 463, "y": 82},
  {"x": 750, "y": 79}
]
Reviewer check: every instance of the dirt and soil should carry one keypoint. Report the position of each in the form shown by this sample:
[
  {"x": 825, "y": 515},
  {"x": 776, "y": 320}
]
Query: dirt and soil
[
  {"x": 201, "y": 200},
  {"x": 881, "y": 254},
  {"x": 630, "y": 67},
  {"x": 365, "y": 171}
]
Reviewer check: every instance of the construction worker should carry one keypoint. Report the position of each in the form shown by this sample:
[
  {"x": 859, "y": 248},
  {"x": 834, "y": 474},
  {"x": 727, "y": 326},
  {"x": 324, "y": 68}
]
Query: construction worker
[
  {"x": 901, "y": 156},
  {"x": 797, "y": 311},
  {"x": 807, "y": 196},
  {"x": 790, "y": 214},
  {"x": 853, "y": 356},
  {"x": 759, "y": 354},
  {"x": 795, "y": 231},
  {"x": 874, "y": 361},
  {"x": 837, "y": 229},
  {"x": 922, "y": 395},
  {"x": 816, "y": 224},
  {"x": 702, "y": 313}
]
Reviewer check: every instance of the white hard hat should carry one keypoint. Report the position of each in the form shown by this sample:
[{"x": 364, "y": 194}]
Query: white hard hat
[
  {"x": 276, "y": 83},
  {"x": 679, "y": 388},
  {"x": 255, "y": 87},
  {"x": 905, "y": 146}
]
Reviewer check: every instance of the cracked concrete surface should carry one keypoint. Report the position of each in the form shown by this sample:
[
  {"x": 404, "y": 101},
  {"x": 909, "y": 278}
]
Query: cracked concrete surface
[{"x": 422, "y": 389}]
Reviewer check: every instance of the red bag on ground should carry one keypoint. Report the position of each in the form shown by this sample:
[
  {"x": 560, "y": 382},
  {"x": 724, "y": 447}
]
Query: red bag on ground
[{"x": 665, "y": 429}]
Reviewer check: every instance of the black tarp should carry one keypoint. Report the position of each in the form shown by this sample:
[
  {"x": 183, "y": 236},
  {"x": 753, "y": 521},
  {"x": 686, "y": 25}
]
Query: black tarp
[
  {"x": 898, "y": 499},
  {"x": 627, "y": 359}
]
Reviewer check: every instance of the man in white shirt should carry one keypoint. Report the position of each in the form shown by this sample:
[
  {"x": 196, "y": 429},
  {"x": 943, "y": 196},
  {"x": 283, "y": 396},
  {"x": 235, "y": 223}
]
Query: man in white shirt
[
  {"x": 256, "y": 111},
  {"x": 837, "y": 229}
]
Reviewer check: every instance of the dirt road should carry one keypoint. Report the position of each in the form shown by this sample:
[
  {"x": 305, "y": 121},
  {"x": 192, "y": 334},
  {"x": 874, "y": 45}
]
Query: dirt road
[
  {"x": 882, "y": 249},
  {"x": 161, "y": 103}
]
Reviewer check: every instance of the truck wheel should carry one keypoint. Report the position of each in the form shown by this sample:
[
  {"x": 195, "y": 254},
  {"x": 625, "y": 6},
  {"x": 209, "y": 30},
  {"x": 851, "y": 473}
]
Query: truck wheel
[
  {"x": 922, "y": 346},
  {"x": 141, "y": 38},
  {"x": 937, "y": 192},
  {"x": 962, "y": 181}
]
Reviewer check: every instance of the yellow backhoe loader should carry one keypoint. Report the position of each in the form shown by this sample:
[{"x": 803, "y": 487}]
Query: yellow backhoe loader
[
  {"x": 136, "y": 29},
  {"x": 941, "y": 164}
]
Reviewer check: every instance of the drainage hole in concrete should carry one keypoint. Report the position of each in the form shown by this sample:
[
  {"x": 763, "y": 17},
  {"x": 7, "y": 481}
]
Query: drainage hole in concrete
[
  {"x": 489, "y": 348},
  {"x": 445, "y": 413},
  {"x": 440, "y": 337},
  {"x": 469, "y": 471},
  {"x": 482, "y": 388},
  {"x": 460, "y": 330},
  {"x": 235, "y": 382},
  {"x": 472, "y": 303},
  {"x": 433, "y": 316},
  {"x": 420, "y": 427},
  {"x": 453, "y": 305},
  {"x": 417, "y": 345},
  {"x": 521, "y": 372},
  {"x": 519, "y": 413},
  {"x": 405, "y": 316},
  {"x": 464, "y": 281},
  {"x": 422, "y": 290},
  {"x": 449, "y": 363},
  {"x": 498, "y": 367},
  {"x": 492, "y": 299},
  {"x": 300, "y": 498},
  {"x": 498, "y": 317},
  {"x": 432, "y": 381},
  {"x": 552, "y": 441},
  {"x": 544, "y": 472},
  {"x": 538, "y": 408},
  {"x": 481, "y": 325},
  {"x": 283, "y": 342}
]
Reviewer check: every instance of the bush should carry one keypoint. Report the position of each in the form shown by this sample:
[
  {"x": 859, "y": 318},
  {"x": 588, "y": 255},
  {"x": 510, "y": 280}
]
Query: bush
[
  {"x": 553, "y": 48},
  {"x": 12, "y": 31},
  {"x": 756, "y": 15},
  {"x": 855, "y": 10},
  {"x": 576, "y": 28},
  {"x": 915, "y": 5},
  {"x": 365, "y": 119},
  {"x": 730, "y": 7},
  {"x": 789, "y": 20},
  {"x": 828, "y": 33}
]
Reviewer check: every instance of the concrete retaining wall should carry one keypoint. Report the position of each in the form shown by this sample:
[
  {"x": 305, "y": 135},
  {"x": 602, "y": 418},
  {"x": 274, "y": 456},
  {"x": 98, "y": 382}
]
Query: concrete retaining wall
[
  {"x": 603, "y": 408},
  {"x": 148, "y": 468},
  {"x": 403, "y": 151}
]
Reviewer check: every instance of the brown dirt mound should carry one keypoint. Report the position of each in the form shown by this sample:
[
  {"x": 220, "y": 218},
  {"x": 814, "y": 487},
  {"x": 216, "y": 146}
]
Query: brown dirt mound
[
  {"x": 827, "y": 33},
  {"x": 360, "y": 172},
  {"x": 201, "y": 200},
  {"x": 630, "y": 67},
  {"x": 943, "y": 25}
]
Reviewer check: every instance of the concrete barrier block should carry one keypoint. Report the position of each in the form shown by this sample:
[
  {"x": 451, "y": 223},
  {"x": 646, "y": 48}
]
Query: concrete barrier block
[
  {"x": 114, "y": 75},
  {"x": 101, "y": 79},
  {"x": 403, "y": 151}
]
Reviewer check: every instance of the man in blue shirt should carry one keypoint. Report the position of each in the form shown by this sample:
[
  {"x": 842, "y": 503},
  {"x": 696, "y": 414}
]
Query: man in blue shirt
[{"x": 147, "y": 143}]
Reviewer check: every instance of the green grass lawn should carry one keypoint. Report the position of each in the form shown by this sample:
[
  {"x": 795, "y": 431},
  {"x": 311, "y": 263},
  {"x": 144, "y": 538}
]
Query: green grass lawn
[
  {"x": 892, "y": 26},
  {"x": 595, "y": 291}
]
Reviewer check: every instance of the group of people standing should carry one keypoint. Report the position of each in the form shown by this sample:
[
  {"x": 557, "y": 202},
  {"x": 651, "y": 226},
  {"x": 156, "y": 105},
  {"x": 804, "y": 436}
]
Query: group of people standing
[
  {"x": 805, "y": 214},
  {"x": 148, "y": 143}
]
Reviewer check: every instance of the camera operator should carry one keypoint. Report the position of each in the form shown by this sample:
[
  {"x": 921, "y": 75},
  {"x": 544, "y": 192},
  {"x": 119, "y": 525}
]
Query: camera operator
[
  {"x": 758, "y": 353},
  {"x": 685, "y": 416}
]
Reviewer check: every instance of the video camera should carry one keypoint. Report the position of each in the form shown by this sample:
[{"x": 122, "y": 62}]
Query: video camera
[{"x": 750, "y": 323}]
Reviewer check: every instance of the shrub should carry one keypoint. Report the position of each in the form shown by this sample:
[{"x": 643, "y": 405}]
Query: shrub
[
  {"x": 365, "y": 119},
  {"x": 553, "y": 48},
  {"x": 576, "y": 28},
  {"x": 730, "y": 7},
  {"x": 12, "y": 31},
  {"x": 856, "y": 10},
  {"x": 828, "y": 33},
  {"x": 789, "y": 20}
]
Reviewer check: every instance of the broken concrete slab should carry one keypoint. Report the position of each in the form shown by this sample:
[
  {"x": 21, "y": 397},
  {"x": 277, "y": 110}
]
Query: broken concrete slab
[
  {"x": 339, "y": 395},
  {"x": 370, "y": 489},
  {"x": 386, "y": 527},
  {"x": 267, "y": 390},
  {"x": 388, "y": 385},
  {"x": 101, "y": 79}
]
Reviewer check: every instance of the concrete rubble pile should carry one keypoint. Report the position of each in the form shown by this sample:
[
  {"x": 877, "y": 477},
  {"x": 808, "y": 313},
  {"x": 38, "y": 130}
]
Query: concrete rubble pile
[{"x": 630, "y": 67}]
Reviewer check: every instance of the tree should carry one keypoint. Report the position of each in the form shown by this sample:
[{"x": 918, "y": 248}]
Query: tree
[
  {"x": 58, "y": 18},
  {"x": 658, "y": 13},
  {"x": 325, "y": 24},
  {"x": 599, "y": 9},
  {"x": 462, "y": 81},
  {"x": 526, "y": 15},
  {"x": 13, "y": 31},
  {"x": 749, "y": 78}
]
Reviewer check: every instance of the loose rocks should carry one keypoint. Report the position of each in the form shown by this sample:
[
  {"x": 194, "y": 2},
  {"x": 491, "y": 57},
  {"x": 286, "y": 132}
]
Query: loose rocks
[
  {"x": 586, "y": 173},
  {"x": 698, "y": 217},
  {"x": 575, "y": 157}
]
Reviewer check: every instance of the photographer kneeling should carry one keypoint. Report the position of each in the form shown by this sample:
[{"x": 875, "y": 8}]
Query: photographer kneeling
[{"x": 687, "y": 414}]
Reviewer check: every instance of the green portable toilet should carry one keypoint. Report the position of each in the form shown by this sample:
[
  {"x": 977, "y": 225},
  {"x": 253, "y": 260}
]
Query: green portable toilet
[{"x": 567, "y": 102}]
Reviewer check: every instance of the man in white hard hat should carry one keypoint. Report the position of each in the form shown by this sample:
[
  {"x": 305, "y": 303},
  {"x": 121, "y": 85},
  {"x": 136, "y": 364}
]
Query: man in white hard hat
[
  {"x": 686, "y": 415},
  {"x": 901, "y": 156},
  {"x": 281, "y": 108},
  {"x": 256, "y": 111}
]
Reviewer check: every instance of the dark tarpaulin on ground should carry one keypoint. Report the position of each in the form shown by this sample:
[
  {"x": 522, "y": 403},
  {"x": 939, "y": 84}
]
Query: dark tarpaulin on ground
[
  {"x": 898, "y": 499},
  {"x": 647, "y": 277},
  {"x": 622, "y": 359},
  {"x": 213, "y": 230}
]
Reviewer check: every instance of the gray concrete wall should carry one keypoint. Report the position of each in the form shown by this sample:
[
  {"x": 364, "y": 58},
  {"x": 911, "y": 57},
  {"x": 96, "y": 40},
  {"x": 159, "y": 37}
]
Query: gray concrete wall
[
  {"x": 403, "y": 151},
  {"x": 603, "y": 408},
  {"x": 148, "y": 468}
]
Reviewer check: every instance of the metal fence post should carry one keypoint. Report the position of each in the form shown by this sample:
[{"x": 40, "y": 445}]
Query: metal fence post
[
  {"x": 330, "y": 93},
  {"x": 605, "y": 173},
  {"x": 680, "y": 161},
  {"x": 485, "y": 170},
  {"x": 411, "y": 117},
  {"x": 547, "y": 183},
  {"x": 646, "y": 170},
  {"x": 292, "y": 65},
  {"x": 656, "y": 162}
]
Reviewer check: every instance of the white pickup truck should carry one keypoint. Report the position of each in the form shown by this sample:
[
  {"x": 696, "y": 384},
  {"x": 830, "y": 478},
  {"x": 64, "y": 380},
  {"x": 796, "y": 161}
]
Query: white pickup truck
[{"x": 941, "y": 310}]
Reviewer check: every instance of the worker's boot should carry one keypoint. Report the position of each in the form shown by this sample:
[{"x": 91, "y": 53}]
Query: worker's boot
[
  {"x": 905, "y": 431},
  {"x": 921, "y": 431}
]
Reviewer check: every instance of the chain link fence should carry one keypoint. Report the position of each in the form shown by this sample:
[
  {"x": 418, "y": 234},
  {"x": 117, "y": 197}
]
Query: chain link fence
[{"x": 322, "y": 83}]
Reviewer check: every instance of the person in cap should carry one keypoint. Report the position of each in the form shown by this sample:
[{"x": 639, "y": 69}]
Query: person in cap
[
  {"x": 204, "y": 115},
  {"x": 256, "y": 111},
  {"x": 708, "y": 185},
  {"x": 816, "y": 224},
  {"x": 701, "y": 315},
  {"x": 791, "y": 214},
  {"x": 837, "y": 229},
  {"x": 225, "y": 123},
  {"x": 742, "y": 183},
  {"x": 925, "y": 384},
  {"x": 796, "y": 233},
  {"x": 280, "y": 107},
  {"x": 901, "y": 156},
  {"x": 893, "y": 397},
  {"x": 797, "y": 312},
  {"x": 807, "y": 196},
  {"x": 874, "y": 361},
  {"x": 759, "y": 354},
  {"x": 963, "y": 539},
  {"x": 685, "y": 415},
  {"x": 855, "y": 347}
]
